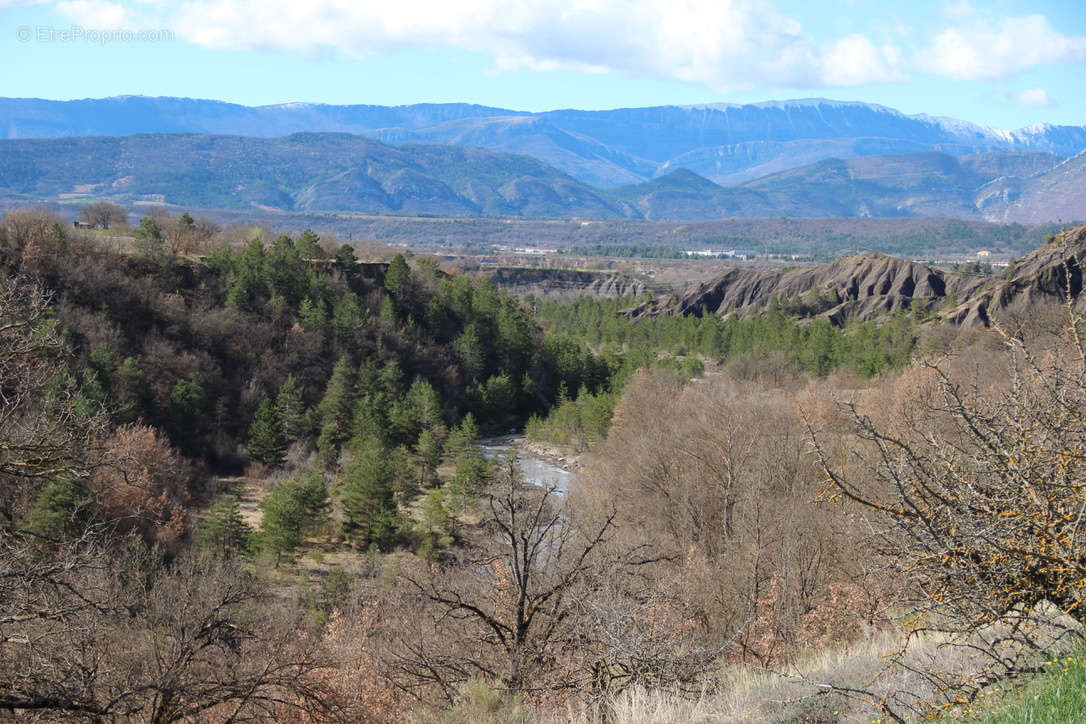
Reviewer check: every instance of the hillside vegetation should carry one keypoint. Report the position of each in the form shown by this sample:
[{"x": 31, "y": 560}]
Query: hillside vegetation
[{"x": 246, "y": 484}]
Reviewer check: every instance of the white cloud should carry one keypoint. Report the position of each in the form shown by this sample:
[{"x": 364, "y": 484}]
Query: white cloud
[
  {"x": 991, "y": 51},
  {"x": 716, "y": 43},
  {"x": 855, "y": 60},
  {"x": 1033, "y": 98},
  {"x": 959, "y": 10},
  {"x": 97, "y": 13}
]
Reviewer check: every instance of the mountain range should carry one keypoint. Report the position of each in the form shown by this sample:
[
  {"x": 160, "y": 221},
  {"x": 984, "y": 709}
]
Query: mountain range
[
  {"x": 809, "y": 158},
  {"x": 350, "y": 173},
  {"x": 725, "y": 143}
]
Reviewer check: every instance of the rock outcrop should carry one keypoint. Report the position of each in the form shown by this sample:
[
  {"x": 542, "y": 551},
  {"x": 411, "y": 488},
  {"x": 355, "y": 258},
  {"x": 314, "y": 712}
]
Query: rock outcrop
[
  {"x": 542, "y": 282},
  {"x": 869, "y": 285}
]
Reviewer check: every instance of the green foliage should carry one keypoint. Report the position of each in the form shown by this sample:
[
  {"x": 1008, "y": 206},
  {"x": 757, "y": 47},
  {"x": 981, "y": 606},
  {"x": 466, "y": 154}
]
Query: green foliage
[
  {"x": 814, "y": 347},
  {"x": 349, "y": 323},
  {"x": 223, "y": 531},
  {"x": 290, "y": 405},
  {"x": 188, "y": 401},
  {"x": 336, "y": 410},
  {"x": 308, "y": 245},
  {"x": 436, "y": 526},
  {"x": 149, "y": 239},
  {"x": 370, "y": 515},
  {"x": 346, "y": 261},
  {"x": 290, "y": 509},
  {"x": 248, "y": 285},
  {"x": 288, "y": 274},
  {"x": 585, "y": 419},
  {"x": 471, "y": 469},
  {"x": 461, "y": 440},
  {"x": 398, "y": 275},
  {"x": 62, "y": 507},
  {"x": 267, "y": 442},
  {"x": 1056, "y": 696},
  {"x": 470, "y": 350}
]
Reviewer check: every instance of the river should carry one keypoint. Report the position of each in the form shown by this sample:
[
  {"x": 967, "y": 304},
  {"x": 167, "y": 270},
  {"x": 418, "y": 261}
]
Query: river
[{"x": 536, "y": 471}]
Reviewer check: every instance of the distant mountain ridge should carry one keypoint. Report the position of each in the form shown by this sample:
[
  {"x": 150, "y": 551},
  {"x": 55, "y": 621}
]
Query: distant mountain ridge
[
  {"x": 870, "y": 285},
  {"x": 725, "y": 143},
  {"x": 344, "y": 172}
]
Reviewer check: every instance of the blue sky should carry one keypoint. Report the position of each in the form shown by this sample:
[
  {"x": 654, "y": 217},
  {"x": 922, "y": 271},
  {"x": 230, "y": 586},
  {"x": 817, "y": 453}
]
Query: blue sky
[{"x": 1005, "y": 63}]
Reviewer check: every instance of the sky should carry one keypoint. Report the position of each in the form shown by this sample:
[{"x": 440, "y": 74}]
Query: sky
[{"x": 1003, "y": 63}]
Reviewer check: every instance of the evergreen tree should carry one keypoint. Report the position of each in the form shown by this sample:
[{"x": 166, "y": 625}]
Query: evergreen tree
[
  {"x": 349, "y": 323},
  {"x": 281, "y": 522},
  {"x": 346, "y": 261},
  {"x": 370, "y": 515},
  {"x": 312, "y": 494},
  {"x": 290, "y": 509},
  {"x": 133, "y": 392},
  {"x": 308, "y": 246},
  {"x": 288, "y": 273},
  {"x": 188, "y": 402},
  {"x": 62, "y": 507},
  {"x": 248, "y": 286},
  {"x": 398, "y": 276},
  {"x": 468, "y": 460},
  {"x": 313, "y": 316},
  {"x": 224, "y": 532},
  {"x": 291, "y": 407},
  {"x": 469, "y": 348},
  {"x": 150, "y": 241},
  {"x": 425, "y": 403},
  {"x": 428, "y": 450},
  {"x": 387, "y": 314},
  {"x": 337, "y": 409},
  {"x": 267, "y": 442},
  {"x": 462, "y": 439}
]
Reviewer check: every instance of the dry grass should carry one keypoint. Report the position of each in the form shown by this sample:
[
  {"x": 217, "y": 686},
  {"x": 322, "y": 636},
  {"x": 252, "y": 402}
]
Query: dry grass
[{"x": 809, "y": 690}]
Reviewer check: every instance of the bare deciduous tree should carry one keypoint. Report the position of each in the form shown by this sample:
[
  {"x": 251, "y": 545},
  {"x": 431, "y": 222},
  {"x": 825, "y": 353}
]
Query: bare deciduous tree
[
  {"x": 979, "y": 495},
  {"x": 104, "y": 215},
  {"x": 87, "y": 632},
  {"x": 543, "y": 604},
  {"x": 43, "y": 435}
]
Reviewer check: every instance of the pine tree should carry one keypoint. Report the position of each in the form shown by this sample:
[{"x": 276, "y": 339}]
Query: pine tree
[
  {"x": 346, "y": 261},
  {"x": 398, "y": 276},
  {"x": 337, "y": 409},
  {"x": 188, "y": 402},
  {"x": 133, "y": 393},
  {"x": 266, "y": 440},
  {"x": 313, "y": 497},
  {"x": 471, "y": 353},
  {"x": 370, "y": 515},
  {"x": 428, "y": 450},
  {"x": 282, "y": 519},
  {"x": 224, "y": 531},
  {"x": 248, "y": 285},
  {"x": 292, "y": 508},
  {"x": 291, "y": 407},
  {"x": 425, "y": 403},
  {"x": 308, "y": 247},
  {"x": 462, "y": 439}
]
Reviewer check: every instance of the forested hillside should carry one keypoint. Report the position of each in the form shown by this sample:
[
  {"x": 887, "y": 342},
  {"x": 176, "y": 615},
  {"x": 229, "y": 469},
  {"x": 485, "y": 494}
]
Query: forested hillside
[{"x": 241, "y": 479}]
